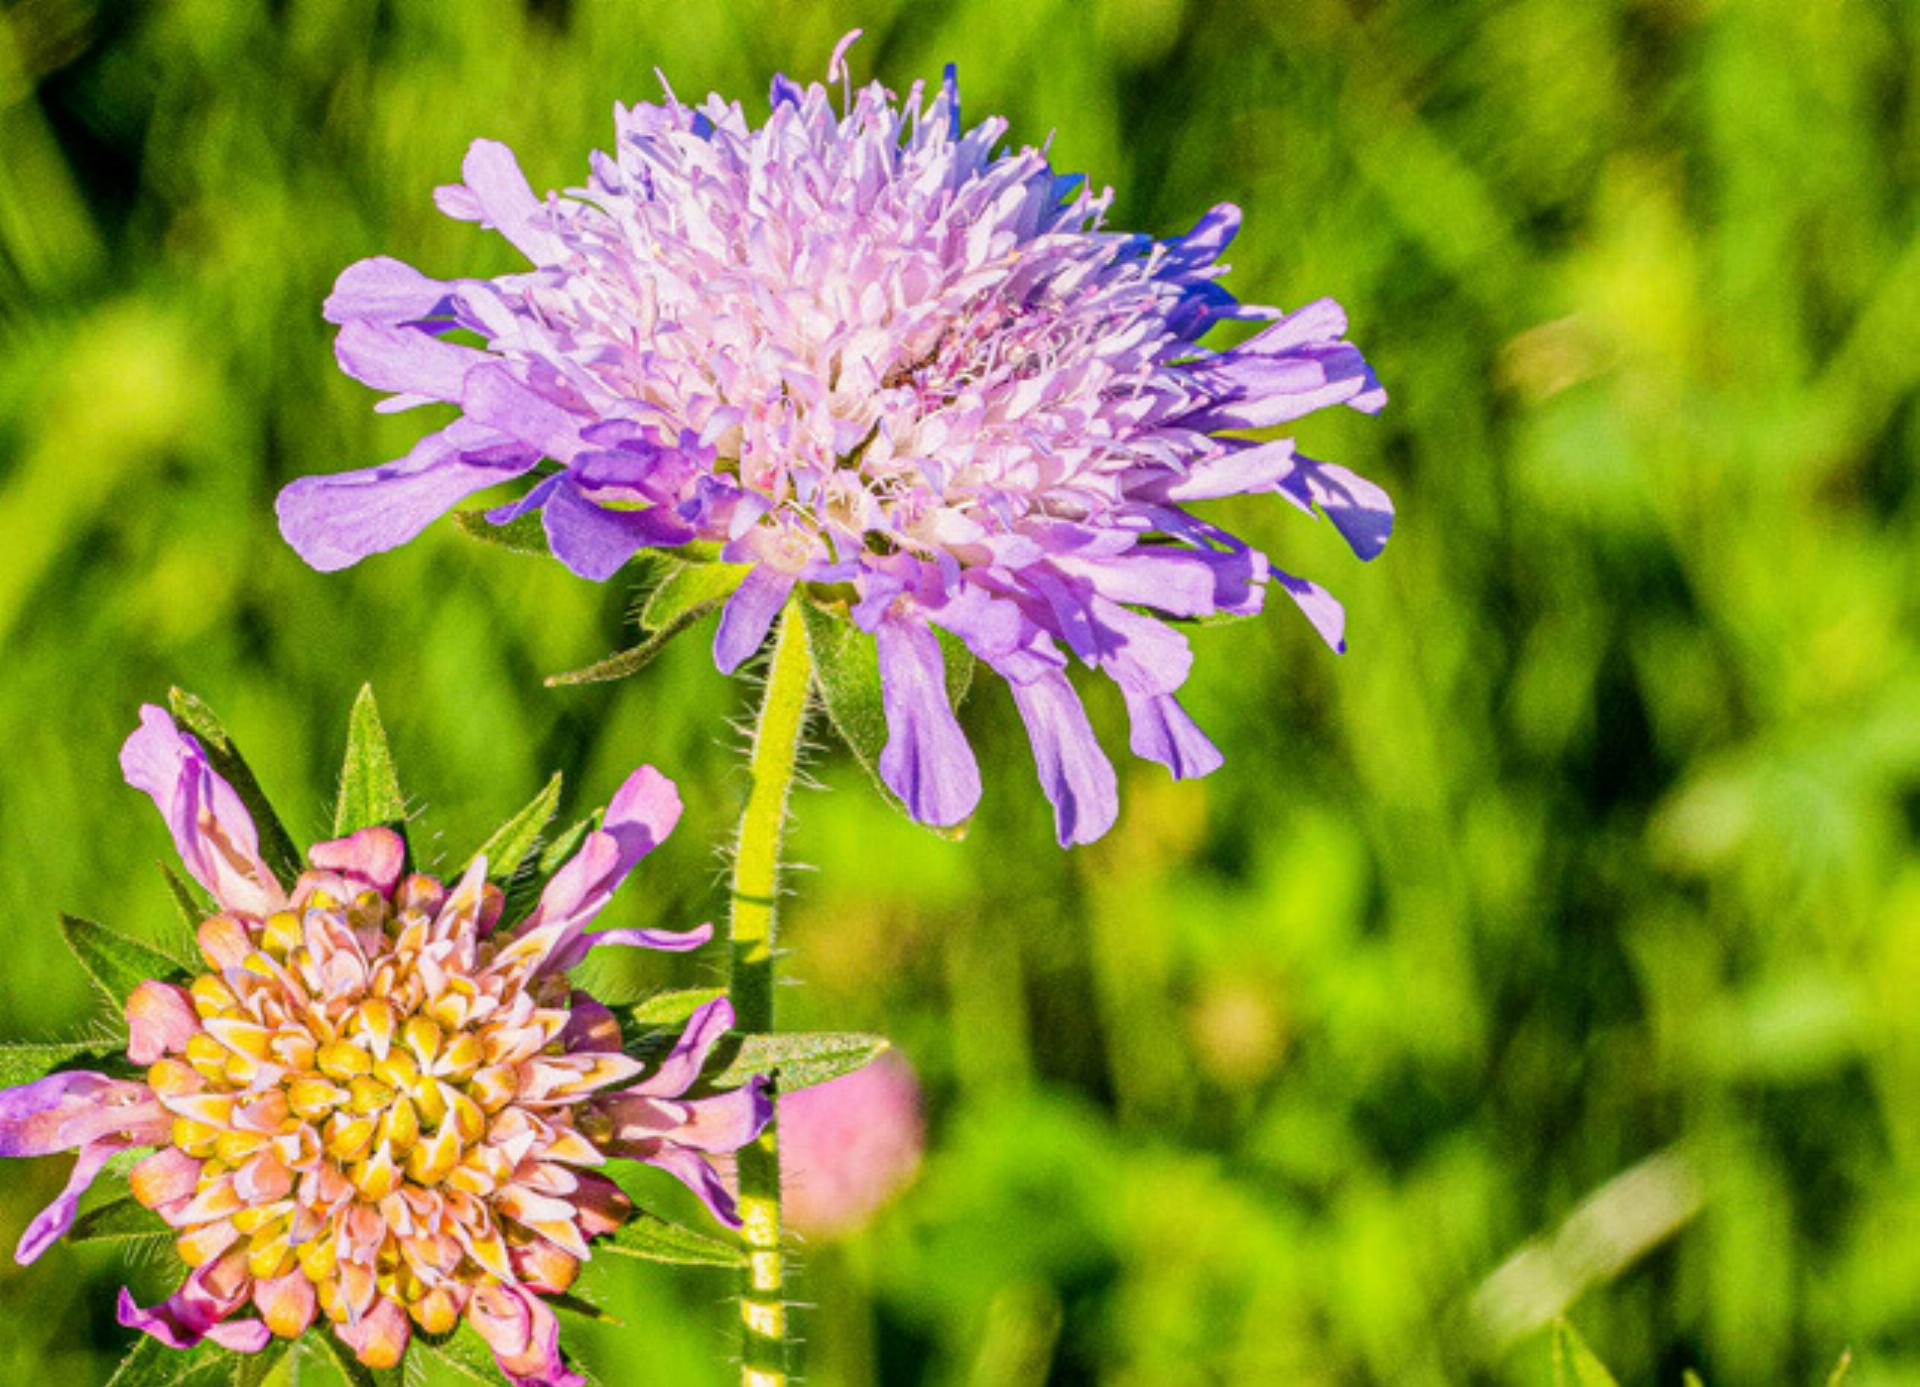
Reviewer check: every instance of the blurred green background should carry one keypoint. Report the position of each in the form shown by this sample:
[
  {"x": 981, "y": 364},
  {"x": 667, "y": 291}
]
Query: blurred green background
[{"x": 1555, "y": 950}]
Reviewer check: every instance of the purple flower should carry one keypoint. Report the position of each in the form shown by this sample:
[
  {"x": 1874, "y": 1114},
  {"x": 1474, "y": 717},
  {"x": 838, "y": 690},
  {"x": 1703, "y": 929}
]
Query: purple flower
[
  {"x": 864, "y": 345},
  {"x": 378, "y": 1107}
]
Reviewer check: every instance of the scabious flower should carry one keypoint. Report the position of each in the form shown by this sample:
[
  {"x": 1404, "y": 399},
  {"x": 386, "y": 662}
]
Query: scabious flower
[
  {"x": 866, "y": 346},
  {"x": 377, "y": 1105},
  {"x": 848, "y": 1146}
]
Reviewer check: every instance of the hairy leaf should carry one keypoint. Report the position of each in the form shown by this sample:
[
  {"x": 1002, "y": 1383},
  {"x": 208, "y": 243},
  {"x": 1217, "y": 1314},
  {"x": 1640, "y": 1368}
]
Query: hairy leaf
[
  {"x": 525, "y": 535},
  {"x": 673, "y": 1008},
  {"x": 846, "y": 675},
  {"x": 24, "y": 1061},
  {"x": 636, "y": 658},
  {"x": 523, "y": 893},
  {"x": 516, "y": 839},
  {"x": 661, "y": 1240},
  {"x": 192, "y": 906},
  {"x": 150, "y": 1363},
  {"x": 688, "y": 586},
  {"x": 125, "y": 1221},
  {"x": 117, "y": 963},
  {"x": 369, "y": 789},
  {"x": 252, "y": 1369},
  {"x": 799, "y": 1059}
]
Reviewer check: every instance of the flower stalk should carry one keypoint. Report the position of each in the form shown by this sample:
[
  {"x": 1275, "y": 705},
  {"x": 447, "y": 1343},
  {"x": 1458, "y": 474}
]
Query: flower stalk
[{"x": 766, "y": 1356}]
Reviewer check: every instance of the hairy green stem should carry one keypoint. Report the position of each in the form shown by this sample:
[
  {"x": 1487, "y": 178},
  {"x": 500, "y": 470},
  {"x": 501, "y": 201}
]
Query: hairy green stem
[{"x": 766, "y": 1355}]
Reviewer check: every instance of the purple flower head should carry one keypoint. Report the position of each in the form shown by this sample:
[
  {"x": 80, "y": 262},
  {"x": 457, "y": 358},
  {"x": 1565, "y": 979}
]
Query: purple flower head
[
  {"x": 378, "y": 1105},
  {"x": 862, "y": 344}
]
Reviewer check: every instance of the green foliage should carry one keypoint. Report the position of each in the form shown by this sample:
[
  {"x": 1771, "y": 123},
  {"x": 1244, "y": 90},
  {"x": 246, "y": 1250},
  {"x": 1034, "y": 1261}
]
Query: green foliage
[
  {"x": 369, "y": 789},
  {"x": 671, "y": 1008},
  {"x": 798, "y": 1059},
  {"x": 631, "y": 661},
  {"x": 657, "y": 1239},
  {"x": 526, "y": 534},
  {"x": 689, "y": 591},
  {"x": 124, "y": 1221},
  {"x": 116, "y": 963},
  {"x": 846, "y": 676},
  {"x": 22, "y": 1062},
  {"x": 1600, "y": 840},
  {"x": 516, "y": 840},
  {"x": 1573, "y": 1362},
  {"x": 150, "y": 1363},
  {"x": 192, "y": 906}
]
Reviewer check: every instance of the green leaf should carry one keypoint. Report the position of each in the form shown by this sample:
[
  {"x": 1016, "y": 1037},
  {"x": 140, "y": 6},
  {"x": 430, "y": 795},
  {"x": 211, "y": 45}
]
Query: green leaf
[
  {"x": 1199, "y": 622},
  {"x": 631, "y": 661},
  {"x": 369, "y": 790},
  {"x": 846, "y": 674},
  {"x": 516, "y": 839},
  {"x": 799, "y": 1059},
  {"x": 1690, "y": 1378},
  {"x": 690, "y": 586},
  {"x": 192, "y": 907},
  {"x": 658, "y": 1239},
  {"x": 116, "y": 963},
  {"x": 276, "y": 847},
  {"x": 121, "y": 1221},
  {"x": 24, "y": 1061},
  {"x": 584, "y": 1309},
  {"x": 150, "y": 1363},
  {"x": 1841, "y": 1369},
  {"x": 524, "y": 892},
  {"x": 959, "y": 663},
  {"x": 463, "y": 1353},
  {"x": 673, "y": 1008},
  {"x": 525, "y": 535},
  {"x": 253, "y": 1369},
  {"x": 356, "y": 1373},
  {"x": 1573, "y": 1362}
]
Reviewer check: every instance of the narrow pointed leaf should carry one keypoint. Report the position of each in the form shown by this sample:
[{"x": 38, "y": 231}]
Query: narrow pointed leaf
[
  {"x": 1574, "y": 1364},
  {"x": 526, "y": 535},
  {"x": 116, "y": 963},
  {"x": 631, "y": 661},
  {"x": 150, "y": 1363},
  {"x": 518, "y": 838},
  {"x": 674, "y": 1008},
  {"x": 584, "y": 1309},
  {"x": 253, "y": 1369},
  {"x": 356, "y": 1373},
  {"x": 1841, "y": 1369},
  {"x": 192, "y": 906},
  {"x": 463, "y": 1354},
  {"x": 799, "y": 1059},
  {"x": 691, "y": 586},
  {"x": 369, "y": 789},
  {"x": 658, "y": 1239},
  {"x": 24, "y": 1061},
  {"x": 524, "y": 893},
  {"x": 125, "y": 1221},
  {"x": 276, "y": 846},
  {"x": 1690, "y": 1378}
]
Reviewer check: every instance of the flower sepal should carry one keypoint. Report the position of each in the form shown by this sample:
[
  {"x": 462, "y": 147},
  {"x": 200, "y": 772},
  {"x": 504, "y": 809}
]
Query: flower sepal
[{"x": 846, "y": 677}]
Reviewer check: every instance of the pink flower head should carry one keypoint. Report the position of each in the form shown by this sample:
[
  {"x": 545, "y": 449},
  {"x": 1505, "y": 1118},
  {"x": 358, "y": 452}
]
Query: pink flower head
[
  {"x": 863, "y": 344},
  {"x": 376, "y": 1105},
  {"x": 850, "y": 1145}
]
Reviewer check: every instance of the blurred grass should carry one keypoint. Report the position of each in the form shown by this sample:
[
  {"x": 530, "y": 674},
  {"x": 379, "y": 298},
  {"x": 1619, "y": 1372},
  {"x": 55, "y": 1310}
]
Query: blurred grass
[{"x": 1554, "y": 950}]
